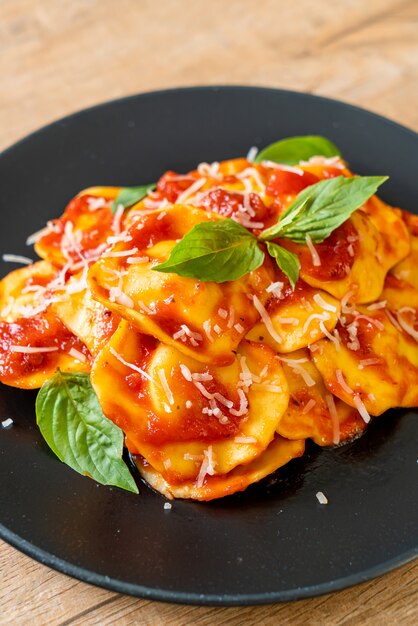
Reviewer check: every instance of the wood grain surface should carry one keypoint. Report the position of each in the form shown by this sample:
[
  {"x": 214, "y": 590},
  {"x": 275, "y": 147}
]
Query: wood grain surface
[{"x": 58, "y": 56}]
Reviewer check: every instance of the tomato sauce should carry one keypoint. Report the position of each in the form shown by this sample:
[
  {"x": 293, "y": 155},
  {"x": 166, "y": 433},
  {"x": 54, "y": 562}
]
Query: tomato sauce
[
  {"x": 337, "y": 254},
  {"x": 94, "y": 228},
  {"x": 43, "y": 330},
  {"x": 182, "y": 424},
  {"x": 171, "y": 185},
  {"x": 282, "y": 182}
]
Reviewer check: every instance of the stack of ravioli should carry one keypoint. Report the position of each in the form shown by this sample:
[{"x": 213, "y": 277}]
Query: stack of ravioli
[{"x": 216, "y": 385}]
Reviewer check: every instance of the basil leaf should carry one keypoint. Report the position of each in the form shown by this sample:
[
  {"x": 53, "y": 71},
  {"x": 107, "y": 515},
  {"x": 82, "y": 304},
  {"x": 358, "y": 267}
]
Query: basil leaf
[
  {"x": 128, "y": 196},
  {"x": 321, "y": 208},
  {"x": 287, "y": 261},
  {"x": 214, "y": 251},
  {"x": 72, "y": 423},
  {"x": 294, "y": 149}
]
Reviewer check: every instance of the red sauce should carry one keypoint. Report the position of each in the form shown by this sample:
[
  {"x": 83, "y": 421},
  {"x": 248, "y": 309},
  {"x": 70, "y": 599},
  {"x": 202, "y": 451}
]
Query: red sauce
[
  {"x": 192, "y": 424},
  {"x": 228, "y": 204},
  {"x": 281, "y": 182},
  {"x": 44, "y": 330},
  {"x": 334, "y": 254},
  {"x": 152, "y": 230},
  {"x": 171, "y": 186},
  {"x": 104, "y": 327},
  {"x": 366, "y": 333},
  {"x": 92, "y": 235},
  {"x": 288, "y": 295}
]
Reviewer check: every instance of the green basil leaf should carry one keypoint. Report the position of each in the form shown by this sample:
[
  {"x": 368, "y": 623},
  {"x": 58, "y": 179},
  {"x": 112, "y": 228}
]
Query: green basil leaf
[
  {"x": 287, "y": 261},
  {"x": 214, "y": 251},
  {"x": 72, "y": 423},
  {"x": 294, "y": 149},
  {"x": 321, "y": 208},
  {"x": 128, "y": 196}
]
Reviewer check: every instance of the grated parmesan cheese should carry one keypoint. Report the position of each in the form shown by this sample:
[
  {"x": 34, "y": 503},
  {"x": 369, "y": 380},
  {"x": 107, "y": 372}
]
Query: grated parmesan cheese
[
  {"x": 316, "y": 261},
  {"x": 164, "y": 383},
  {"x": 308, "y": 406},
  {"x": 285, "y": 168},
  {"x": 266, "y": 319},
  {"x": 276, "y": 289},
  {"x": 32, "y": 350},
  {"x": 207, "y": 467},
  {"x": 17, "y": 258},
  {"x": 186, "y": 372},
  {"x": 361, "y": 408},
  {"x": 244, "y": 439},
  {"x": 131, "y": 366},
  {"x": 190, "y": 191},
  {"x": 207, "y": 328},
  {"x": 77, "y": 355},
  {"x": 342, "y": 382},
  {"x": 377, "y": 305},
  {"x": 137, "y": 260},
  {"x": 324, "y": 304},
  {"x": 252, "y": 153},
  {"x": 323, "y": 317},
  {"x": 322, "y": 499}
]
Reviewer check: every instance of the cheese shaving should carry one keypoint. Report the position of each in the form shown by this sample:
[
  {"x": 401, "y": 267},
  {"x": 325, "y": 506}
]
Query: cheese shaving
[
  {"x": 131, "y": 366},
  {"x": 361, "y": 408},
  {"x": 17, "y": 258},
  {"x": 207, "y": 467},
  {"x": 77, "y": 355},
  {"x": 308, "y": 406},
  {"x": 322, "y": 499},
  {"x": 190, "y": 191},
  {"x": 266, "y": 319},
  {"x": 285, "y": 168},
  {"x": 316, "y": 261},
  {"x": 32, "y": 349},
  {"x": 323, "y": 303},
  {"x": 252, "y": 153},
  {"x": 164, "y": 383},
  {"x": 342, "y": 382}
]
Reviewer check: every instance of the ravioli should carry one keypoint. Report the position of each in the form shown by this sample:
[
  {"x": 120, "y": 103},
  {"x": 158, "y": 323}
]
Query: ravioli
[
  {"x": 313, "y": 412},
  {"x": 204, "y": 320},
  {"x": 172, "y": 407},
  {"x": 298, "y": 317},
  {"x": 33, "y": 348},
  {"x": 279, "y": 452},
  {"x": 351, "y": 260},
  {"x": 88, "y": 319},
  {"x": 83, "y": 229},
  {"x": 23, "y": 291},
  {"x": 217, "y": 385},
  {"x": 376, "y": 365}
]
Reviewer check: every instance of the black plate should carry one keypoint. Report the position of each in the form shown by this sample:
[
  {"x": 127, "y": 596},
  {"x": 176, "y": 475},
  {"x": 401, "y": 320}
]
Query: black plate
[{"x": 274, "y": 542}]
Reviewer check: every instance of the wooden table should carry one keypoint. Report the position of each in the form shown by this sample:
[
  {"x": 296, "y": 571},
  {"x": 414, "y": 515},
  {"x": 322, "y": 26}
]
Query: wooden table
[{"x": 58, "y": 56}]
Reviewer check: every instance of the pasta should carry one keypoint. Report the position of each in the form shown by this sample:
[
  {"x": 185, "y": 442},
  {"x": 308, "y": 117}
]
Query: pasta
[{"x": 223, "y": 317}]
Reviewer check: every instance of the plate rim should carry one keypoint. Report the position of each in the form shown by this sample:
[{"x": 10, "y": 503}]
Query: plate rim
[
  {"x": 207, "y": 599},
  {"x": 209, "y": 88},
  {"x": 180, "y": 597}
]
